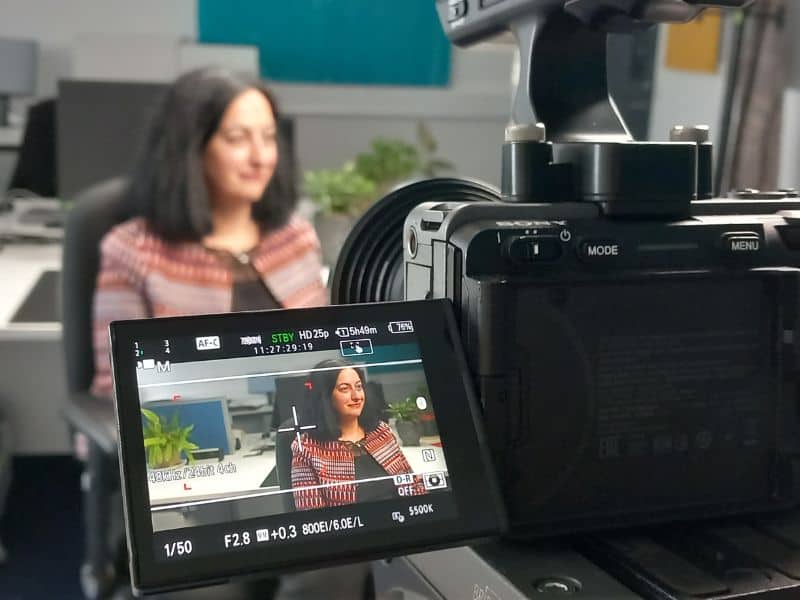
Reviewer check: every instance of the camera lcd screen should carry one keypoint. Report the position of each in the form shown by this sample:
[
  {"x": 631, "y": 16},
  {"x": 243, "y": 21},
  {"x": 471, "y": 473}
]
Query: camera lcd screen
[{"x": 278, "y": 440}]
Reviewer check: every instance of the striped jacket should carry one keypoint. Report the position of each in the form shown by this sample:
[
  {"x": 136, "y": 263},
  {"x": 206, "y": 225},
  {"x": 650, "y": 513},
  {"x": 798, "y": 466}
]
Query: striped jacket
[
  {"x": 143, "y": 276},
  {"x": 323, "y": 473}
]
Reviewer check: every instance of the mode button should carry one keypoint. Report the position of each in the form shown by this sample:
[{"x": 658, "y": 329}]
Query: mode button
[{"x": 599, "y": 250}]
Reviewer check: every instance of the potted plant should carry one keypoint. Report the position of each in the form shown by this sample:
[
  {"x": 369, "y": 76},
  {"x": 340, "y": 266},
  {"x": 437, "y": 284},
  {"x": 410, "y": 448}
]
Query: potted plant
[
  {"x": 342, "y": 195},
  {"x": 166, "y": 442},
  {"x": 406, "y": 415}
]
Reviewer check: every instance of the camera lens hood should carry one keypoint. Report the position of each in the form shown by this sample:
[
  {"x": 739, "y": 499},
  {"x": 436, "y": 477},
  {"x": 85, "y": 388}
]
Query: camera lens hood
[{"x": 370, "y": 265}]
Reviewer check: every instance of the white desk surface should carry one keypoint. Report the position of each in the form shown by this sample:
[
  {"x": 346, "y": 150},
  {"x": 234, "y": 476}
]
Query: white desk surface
[
  {"x": 10, "y": 137},
  {"x": 250, "y": 473},
  {"x": 21, "y": 264}
]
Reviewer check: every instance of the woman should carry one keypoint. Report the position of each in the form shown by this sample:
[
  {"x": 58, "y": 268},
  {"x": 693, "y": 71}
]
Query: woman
[
  {"x": 349, "y": 443},
  {"x": 214, "y": 227},
  {"x": 214, "y": 230}
]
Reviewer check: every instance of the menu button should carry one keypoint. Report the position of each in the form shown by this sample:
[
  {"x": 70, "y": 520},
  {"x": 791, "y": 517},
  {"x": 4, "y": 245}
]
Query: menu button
[{"x": 741, "y": 243}]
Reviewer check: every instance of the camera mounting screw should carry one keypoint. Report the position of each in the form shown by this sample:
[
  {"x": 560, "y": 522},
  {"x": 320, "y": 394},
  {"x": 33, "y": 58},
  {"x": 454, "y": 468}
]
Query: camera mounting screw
[
  {"x": 526, "y": 132},
  {"x": 689, "y": 133}
]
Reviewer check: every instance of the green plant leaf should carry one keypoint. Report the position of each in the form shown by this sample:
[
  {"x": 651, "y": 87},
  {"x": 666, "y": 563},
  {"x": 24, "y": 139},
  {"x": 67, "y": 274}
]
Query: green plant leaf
[
  {"x": 152, "y": 418},
  {"x": 405, "y": 410},
  {"x": 388, "y": 161},
  {"x": 157, "y": 456},
  {"x": 435, "y": 165},
  {"x": 425, "y": 138},
  {"x": 342, "y": 190},
  {"x": 165, "y": 440}
]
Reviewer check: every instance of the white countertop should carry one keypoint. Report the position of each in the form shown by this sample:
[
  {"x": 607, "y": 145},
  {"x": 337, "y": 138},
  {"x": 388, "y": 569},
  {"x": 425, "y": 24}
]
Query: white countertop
[
  {"x": 10, "y": 137},
  {"x": 21, "y": 264},
  {"x": 241, "y": 473}
]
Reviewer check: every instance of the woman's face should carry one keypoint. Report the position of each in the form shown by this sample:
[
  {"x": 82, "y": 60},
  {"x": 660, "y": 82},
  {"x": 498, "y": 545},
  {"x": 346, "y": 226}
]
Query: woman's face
[
  {"x": 348, "y": 394},
  {"x": 240, "y": 157}
]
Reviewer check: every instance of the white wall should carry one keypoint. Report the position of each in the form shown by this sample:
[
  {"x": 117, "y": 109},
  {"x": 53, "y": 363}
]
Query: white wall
[
  {"x": 334, "y": 123},
  {"x": 467, "y": 117},
  {"x": 55, "y": 23},
  {"x": 789, "y": 173},
  {"x": 688, "y": 97}
]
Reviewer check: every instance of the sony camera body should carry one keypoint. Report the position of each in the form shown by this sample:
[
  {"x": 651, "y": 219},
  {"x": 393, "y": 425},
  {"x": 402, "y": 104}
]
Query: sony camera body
[
  {"x": 630, "y": 370},
  {"x": 633, "y": 341}
]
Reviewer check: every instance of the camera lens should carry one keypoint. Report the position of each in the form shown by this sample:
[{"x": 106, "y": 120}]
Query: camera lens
[{"x": 370, "y": 265}]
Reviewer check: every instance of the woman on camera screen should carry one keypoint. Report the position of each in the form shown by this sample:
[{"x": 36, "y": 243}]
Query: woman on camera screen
[{"x": 349, "y": 443}]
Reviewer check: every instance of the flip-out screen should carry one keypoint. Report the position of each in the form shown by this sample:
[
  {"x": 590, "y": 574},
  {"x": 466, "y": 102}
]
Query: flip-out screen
[{"x": 287, "y": 439}]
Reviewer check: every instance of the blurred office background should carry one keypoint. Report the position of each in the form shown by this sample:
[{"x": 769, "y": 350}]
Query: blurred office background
[{"x": 78, "y": 79}]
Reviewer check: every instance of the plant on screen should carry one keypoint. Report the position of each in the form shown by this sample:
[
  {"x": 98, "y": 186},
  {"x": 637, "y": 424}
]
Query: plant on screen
[
  {"x": 166, "y": 441},
  {"x": 404, "y": 410}
]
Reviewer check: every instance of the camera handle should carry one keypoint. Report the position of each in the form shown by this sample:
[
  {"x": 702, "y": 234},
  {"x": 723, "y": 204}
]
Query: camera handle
[
  {"x": 563, "y": 80},
  {"x": 568, "y": 140},
  {"x": 562, "y": 47}
]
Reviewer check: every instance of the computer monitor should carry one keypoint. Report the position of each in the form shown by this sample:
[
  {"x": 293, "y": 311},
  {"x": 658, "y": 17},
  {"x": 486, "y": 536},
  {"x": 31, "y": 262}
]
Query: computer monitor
[
  {"x": 100, "y": 125},
  {"x": 209, "y": 417},
  {"x": 17, "y": 72}
]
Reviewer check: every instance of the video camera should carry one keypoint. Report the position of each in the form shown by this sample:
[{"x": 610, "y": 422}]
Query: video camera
[{"x": 632, "y": 341}]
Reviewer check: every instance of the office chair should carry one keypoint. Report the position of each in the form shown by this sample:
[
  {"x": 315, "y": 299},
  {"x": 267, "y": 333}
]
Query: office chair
[
  {"x": 96, "y": 211},
  {"x": 283, "y": 464},
  {"x": 289, "y": 392}
]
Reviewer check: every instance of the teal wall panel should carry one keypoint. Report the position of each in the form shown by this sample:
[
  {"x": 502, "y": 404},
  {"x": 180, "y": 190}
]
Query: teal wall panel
[{"x": 381, "y": 42}]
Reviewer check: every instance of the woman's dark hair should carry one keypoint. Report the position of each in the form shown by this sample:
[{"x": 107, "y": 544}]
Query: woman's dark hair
[
  {"x": 168, "y": 186},
  {"x": 320, "y": 408}
]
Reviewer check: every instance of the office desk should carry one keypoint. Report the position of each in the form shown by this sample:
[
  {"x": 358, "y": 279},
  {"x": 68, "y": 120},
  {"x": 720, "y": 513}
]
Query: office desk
[
  {"x": 10, "y": 138},
  {"x": 21, "y": 264},
  {"x": 250, "y": 473},
  {"x": 32, "y": 379}
]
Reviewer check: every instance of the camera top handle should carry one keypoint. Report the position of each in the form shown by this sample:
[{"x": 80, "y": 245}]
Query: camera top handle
[
  {"x": 562, "y": 43},
  {"x": 562, "y": 97}
]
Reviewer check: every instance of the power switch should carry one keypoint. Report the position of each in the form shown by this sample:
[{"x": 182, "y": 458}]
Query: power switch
[{"x": 530, "y": 249}]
